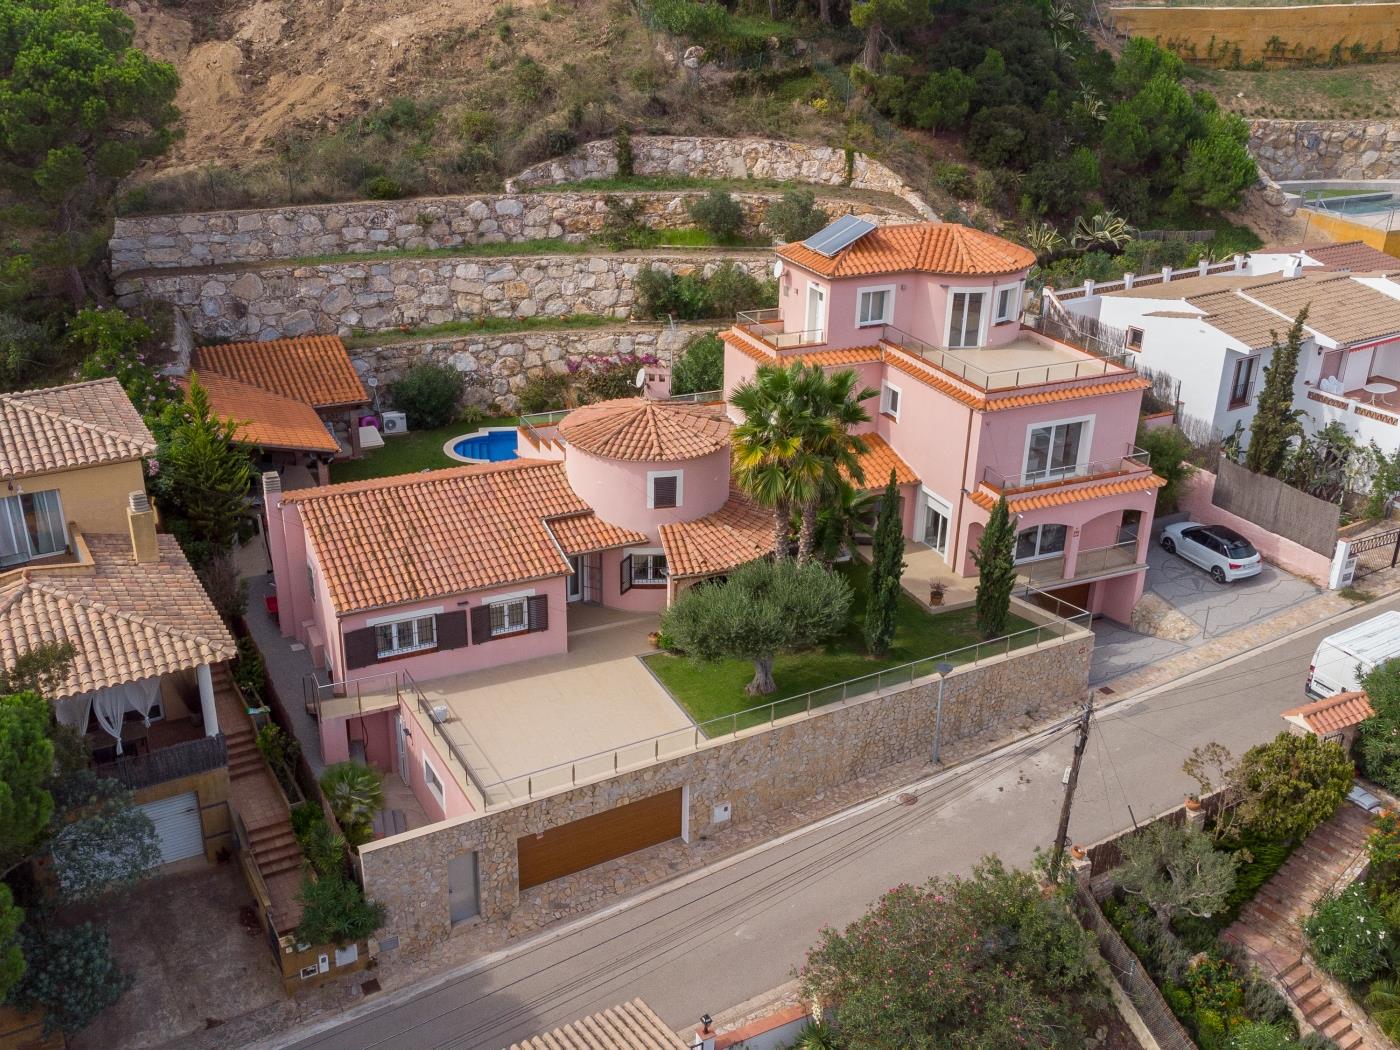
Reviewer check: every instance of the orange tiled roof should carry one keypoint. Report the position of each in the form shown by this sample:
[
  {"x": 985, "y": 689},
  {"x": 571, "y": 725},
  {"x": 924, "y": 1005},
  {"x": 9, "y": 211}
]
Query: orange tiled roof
[
  {"x": 126, "y": 620},
  {"x": 580, "y": 533},
  {"x": 879, "y": 459},
  {"x": 66, "y": 427},
  {"x": 646, "y": 431},
  {"x": 311, "y": 368},
  {"x": 739, "y": 532},
  {"x": 417, "y": 536},
  {"x": 631, "y": 1026},
  {"x": 1334, "y": 713},
  {"x": 1064, "y": 497},
  {"x": 854, "y": 355},
  {"x": 1066, "y": 393},
  {"x": 265, "y": 419},
  {"x": 927, "y": 247}
]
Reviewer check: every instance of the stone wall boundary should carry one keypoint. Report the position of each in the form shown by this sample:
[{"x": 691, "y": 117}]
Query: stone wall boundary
[
  {"x": 725, "y": 158},
  {"x": 1292, "y": 150},
  {"x": 755, "y": 771}
]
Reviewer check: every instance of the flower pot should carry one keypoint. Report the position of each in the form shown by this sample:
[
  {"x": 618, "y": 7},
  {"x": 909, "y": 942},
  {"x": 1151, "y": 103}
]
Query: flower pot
[
  {"x": 1193, "y": 804},
  {"x": 654, "y": 639},
  {"x": 935, "y": 595},
  {"x": 1077, "y": 852}
]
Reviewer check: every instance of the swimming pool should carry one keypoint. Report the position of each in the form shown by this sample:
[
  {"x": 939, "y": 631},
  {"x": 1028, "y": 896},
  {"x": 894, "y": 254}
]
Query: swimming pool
[
  {"x": 493, "y": 445},
  {"x": 1358, "y": 204}
]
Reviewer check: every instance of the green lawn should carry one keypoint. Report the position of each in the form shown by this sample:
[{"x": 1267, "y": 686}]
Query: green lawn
[
  {"x": 414, "y": 451},
  {"x": 709, "y": 691}
]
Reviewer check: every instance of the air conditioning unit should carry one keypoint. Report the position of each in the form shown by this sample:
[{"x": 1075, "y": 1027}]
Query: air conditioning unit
[
  {"x": 441, "y": 712},
  {"x": 395, "y": 423}
]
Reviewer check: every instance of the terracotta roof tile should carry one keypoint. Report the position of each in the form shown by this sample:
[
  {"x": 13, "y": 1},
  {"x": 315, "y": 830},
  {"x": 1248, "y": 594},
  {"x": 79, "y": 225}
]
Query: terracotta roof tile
[
  {"x": 1066, "y": 393},
  {"x": 854, "y": 355},
  {"x": 879, "y": 459},
  {"x": 1355, "y": 256},
  {"x": 1335, "y": 713},
  {"x": 1239, "y": 318},
  {"x": 417, "y": 536},
  {"x": 646, "y": 431},
  {"x": 631, "y": 1026},
  {"x": 1064, "y": 497},
  {"x": 126, "y": 620},
  {"x": 1341, "y": 308},
  {"x": 926, "y": 247},
  {"x": 65, "y": 427},
  {"x": 739, "y": 532},
  {"x": 580, "y": 533},
  {"x": 315, "y": 369},
  {"x": 265, "y": 419}
]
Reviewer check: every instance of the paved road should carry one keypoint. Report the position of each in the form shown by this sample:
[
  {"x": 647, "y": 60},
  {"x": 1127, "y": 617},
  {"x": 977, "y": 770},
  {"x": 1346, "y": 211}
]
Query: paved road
[{"x": 730, "y": 933}]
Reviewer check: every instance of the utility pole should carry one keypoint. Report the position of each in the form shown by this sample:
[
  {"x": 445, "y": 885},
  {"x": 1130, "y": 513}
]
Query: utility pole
[{"x": 1057, "y": 855}]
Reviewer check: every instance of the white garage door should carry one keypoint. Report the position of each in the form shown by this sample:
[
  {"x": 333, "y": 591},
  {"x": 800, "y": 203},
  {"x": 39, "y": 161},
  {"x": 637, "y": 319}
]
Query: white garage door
[{"x": 177, "y": 826}]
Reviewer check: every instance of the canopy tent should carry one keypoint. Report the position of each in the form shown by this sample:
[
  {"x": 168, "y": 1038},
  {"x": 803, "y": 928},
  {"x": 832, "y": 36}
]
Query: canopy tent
[{"x": 111, "y": 706}]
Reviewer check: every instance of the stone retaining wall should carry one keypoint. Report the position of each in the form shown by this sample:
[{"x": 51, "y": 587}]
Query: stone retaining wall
[
  {"x": 271, "y": 302},
  {"x": 1326, "y": 149},
  {"x": 756, "y": 772},
  {"x": 718, "y": 158},
  {"x": 267, "y": 234},
  {"x": 497, "y": 366}
]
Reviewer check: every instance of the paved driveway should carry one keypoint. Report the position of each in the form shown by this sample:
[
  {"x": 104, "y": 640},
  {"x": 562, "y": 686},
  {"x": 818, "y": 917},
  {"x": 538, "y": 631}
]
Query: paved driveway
[{"x": 1215, "y": 608}]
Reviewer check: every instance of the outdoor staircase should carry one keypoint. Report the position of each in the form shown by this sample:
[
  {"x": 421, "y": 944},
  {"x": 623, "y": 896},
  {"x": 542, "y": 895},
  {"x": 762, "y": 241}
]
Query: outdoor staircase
[
  {"x": 1268, "y": 926},
  {"x": 243, "y": 754}
]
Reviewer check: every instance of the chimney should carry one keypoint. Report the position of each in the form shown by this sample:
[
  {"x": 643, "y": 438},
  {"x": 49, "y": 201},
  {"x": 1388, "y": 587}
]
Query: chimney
[
  {"x": 1202, "y": 267},
  {"x": 141, "y": 520},
  {"x": 1088, "y": 287},
  {"x": 1128, "y": 279},
  {"x": 1166, "y": 274},
  {"x": 1239, "y": 262},
  {"x": 656, "y": 382},
  {"x": 1294, "y": 266}
]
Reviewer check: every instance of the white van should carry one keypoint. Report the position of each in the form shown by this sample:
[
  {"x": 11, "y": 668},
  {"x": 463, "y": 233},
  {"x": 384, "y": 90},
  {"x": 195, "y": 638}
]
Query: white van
[{"x": 1343, "y": 659}]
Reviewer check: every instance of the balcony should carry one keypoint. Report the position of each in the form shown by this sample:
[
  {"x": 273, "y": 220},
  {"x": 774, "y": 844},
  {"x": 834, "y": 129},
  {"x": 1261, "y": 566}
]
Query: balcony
[
  {"x": 1093, "y": 563},
  {"x": 187, "y": 758},
  {"x": 1133, "y": 461},
  {"x": 767, "y": 326},
  {"x": 1028, "y": 360}
]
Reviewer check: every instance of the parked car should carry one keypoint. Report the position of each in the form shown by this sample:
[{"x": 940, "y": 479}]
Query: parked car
[
  {"x": 1344, "y": 658},
  {"x": 1222, "y": 552}
]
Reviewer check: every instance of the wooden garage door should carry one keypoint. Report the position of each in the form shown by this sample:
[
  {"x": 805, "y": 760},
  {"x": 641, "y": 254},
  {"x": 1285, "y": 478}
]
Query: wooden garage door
[{"x": 583, "y": 843}]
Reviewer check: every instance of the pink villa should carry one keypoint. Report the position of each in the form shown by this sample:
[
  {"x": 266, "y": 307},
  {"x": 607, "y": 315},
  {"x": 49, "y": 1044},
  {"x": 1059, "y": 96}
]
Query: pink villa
[{"x": 621, "y": 505}]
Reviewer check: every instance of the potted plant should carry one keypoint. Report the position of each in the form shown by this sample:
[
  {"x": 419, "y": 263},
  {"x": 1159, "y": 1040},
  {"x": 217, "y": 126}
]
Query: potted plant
[
  {"x": 935, "y": 592},
  {"x": 1193, "y": 804},
  {"x": 654, "y": 639}
]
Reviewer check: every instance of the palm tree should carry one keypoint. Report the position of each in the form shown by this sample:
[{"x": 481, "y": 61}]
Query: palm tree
[
  {"x": 355, "y": 793},
  {"x": 1383, "y": 1004},
  {"x": 844, "y": 512},
  {"x": 765, "y": 443},
  {"x": 829, "y": 407}
]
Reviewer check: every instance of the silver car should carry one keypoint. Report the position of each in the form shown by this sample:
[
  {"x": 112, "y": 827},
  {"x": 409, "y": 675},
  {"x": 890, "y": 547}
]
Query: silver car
[{"x": 1222, "y": 552}]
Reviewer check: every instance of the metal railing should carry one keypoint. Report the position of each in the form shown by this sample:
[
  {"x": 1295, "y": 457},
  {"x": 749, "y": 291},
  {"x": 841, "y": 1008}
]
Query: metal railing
[
  {"x": 960, "y": 362},
  {"x": 408, "y": 685},
  {"x": 699, "y": 397},
  {"x": 768, "y": 326},
  {"x": 1068, "y": 619},
  {"x": 532, "y": 422},
  {"x": 1093, "y": 561},
  {"x": 1132, "y": 461},
  {"x": 168, "y": 763},
  {"x": 317, "y": 694}
]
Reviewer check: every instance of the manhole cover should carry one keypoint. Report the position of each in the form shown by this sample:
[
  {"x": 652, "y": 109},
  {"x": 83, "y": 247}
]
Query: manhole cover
[
  {"x": 371, "y": 986},
  {"x": 907, "y": 798},
  {"x": 1106, "y": 690}
]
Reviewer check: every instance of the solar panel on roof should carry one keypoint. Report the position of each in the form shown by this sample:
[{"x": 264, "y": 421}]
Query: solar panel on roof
[{"x": 842, "y": 233}]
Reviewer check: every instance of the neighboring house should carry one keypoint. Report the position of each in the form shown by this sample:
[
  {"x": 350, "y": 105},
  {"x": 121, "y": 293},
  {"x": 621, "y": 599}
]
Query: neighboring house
[
  {"x": 972, "y": 404},
  {"x": 1350, "y": 256},
  {"x": 1214, "y": 333},
  {"x": 298, "y": 400},
  {"x": 81, "y": 561},
  {"x": 1334, "y": 718}
]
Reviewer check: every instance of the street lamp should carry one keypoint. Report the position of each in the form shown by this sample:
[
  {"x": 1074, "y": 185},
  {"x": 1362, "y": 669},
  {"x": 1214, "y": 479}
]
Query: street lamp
[{"x": 942, "y": 667}]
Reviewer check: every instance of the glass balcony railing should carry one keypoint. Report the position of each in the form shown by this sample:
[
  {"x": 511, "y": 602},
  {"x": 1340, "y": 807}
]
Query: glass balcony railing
[
  {"x": 767, "y": 325},
  {"x": 1133, "y": 460}
]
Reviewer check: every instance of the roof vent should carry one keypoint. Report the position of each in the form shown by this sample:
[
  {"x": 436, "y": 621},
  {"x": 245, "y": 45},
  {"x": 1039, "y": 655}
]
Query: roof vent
[
  {"x": 272, "y": 481},
  {"x": 841, "y": 234},
  {"x": 139, "y": 502}
]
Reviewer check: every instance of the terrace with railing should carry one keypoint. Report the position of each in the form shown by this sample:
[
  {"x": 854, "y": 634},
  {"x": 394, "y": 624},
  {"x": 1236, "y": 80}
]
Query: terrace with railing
[
  {"x": 1089, "y": 563},
  {"x": 1133, "y": 461}
]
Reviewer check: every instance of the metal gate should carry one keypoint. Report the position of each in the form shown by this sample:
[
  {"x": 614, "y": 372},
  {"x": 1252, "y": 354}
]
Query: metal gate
[
  {"x": 1373, "y": 553},
  {"x": 177, "y": 824}
]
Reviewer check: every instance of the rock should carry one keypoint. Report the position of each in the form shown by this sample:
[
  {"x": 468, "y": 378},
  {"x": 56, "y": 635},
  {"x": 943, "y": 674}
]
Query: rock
[{"x": 1154, "y": 616}]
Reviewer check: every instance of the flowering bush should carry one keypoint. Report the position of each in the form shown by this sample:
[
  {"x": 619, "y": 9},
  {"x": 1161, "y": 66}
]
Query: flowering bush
[
  {"x": 1349, "y": 935},
  {"x": 601, "y": 378}
]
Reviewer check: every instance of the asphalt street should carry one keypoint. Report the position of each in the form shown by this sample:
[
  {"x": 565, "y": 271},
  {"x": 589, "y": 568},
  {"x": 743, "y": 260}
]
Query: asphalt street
[{"x": 728, "y": 933}]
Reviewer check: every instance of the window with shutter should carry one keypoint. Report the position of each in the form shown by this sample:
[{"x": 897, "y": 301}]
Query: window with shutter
[
  {"x": 451, "y": 630},
  {"x": 663, "y": 491},
  {"x": 537, "y": 613},
  {"x": 361, "y": 648},
  {"x": 481, "y": 624}
]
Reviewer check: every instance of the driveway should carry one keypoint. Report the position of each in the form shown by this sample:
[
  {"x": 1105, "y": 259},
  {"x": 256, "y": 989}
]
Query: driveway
[{"x": 1215, "y": 609}]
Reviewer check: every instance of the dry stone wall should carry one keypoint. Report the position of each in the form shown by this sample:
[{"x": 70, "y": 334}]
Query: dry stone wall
[
  {"x": 269, "y": 302},
  {"x": 719, "y": 158},
  {"x": 1326, "y": 149},
  {"x": 264, "y": 235},
  {"x": 497, "y": 366},
  {"x": 756, "y": 772}
]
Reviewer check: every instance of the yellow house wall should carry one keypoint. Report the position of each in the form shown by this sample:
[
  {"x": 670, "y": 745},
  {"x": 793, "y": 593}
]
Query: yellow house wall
[
  {"x": 1340, "y": 229},
  {"x": 94, "y": 498},
  {"x": 1302, "y": 27},
  {"x": 214, "y": 817}
]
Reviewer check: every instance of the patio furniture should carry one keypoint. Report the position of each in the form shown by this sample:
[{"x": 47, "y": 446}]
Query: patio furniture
[
  {"x": 1379, "y": 389},
  {"x": 136, "y": 737}
]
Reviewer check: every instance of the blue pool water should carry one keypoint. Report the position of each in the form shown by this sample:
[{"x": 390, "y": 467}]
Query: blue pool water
[{"x": 487, "y": 446}]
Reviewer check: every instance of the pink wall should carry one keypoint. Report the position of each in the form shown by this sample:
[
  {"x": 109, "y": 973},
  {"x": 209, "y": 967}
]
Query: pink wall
[
  {"x": 617, "y": 489},
  {"x": 1001, "y": 436},
  {"x": 1278, "y": 550},
  {"x": 377, "y": 732},
  {"x": 739, "y": 367},
  {"x": 638, "y": 599},
  {"x": 455, "y": 801}
]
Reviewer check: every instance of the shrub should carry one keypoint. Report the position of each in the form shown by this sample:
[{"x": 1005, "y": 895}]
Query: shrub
[
  {"x": 530, "y": 83},
  {"x": 606, "y": 380},
  {"x": 355, "y": 793},
  {"x": 225, "y": 587},
  {"x": 626, "y": 162},
  {"x": 1290, "y": 785},
  {"x": 249, "y": 671},
  {"x": 543, "y": 392},
  {"x": 1261, "y": 1035},
  {"x": 700, "y": 366},
  {"x": 954, "y": 179},
  {"x": 334, "y": 911},
  {"x": 323, "y": 848},
  {"x": 731, "y": 289},
  {"x": 381, "y": 188},
  {"x": 477, "y": 125},
  {"x": 27, "y": 351},
  {"x": 622, "y": 226},
  {"x": 1349, "y": 936},
  {"x": 1383, "y": 1004},
  {"x": 1176, "y": 871},
  {"x": 718, "y": 214},
  {"x": 796, "y": 217},
  {"x": 71, "y": 975},
  {"x": 280, "y": 751},
  {"x": 428, "y": 394}
]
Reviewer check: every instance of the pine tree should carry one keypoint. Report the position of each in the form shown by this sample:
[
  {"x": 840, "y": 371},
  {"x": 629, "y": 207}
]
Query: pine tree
[
  {"x": 887, "y": 566},
  {"x": 996, "y": 571},
  {"x": 207, "y": 473},
  {"x": 1275, "y": 423}
]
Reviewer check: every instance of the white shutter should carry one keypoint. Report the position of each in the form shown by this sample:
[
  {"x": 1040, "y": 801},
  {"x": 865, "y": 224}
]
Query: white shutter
[{"x": 177, "y": 826}]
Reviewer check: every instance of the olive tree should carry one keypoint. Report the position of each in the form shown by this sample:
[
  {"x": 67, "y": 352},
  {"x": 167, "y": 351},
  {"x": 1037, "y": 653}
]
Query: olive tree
[{"x": 1176, "y": 870}]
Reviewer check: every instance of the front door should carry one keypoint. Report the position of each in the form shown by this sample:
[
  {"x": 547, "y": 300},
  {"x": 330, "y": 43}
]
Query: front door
[
  {"x": 575, "y": 584},
  {"x": 816, "y": 309},
  {"x": 401, "y": 733},
  {"x": 937, "y": 516},
  {"x": 462, "y": 900}
]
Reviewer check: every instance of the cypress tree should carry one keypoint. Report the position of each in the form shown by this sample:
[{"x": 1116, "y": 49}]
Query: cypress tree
[
  {"x": 886, "y": 568},
  {"x": 996, "y": 571},
  {"x": 1275, "y": 422}
]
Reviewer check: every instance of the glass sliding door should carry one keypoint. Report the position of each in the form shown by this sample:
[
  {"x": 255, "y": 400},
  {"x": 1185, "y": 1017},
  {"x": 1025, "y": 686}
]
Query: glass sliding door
[
  {"x": 937, "y": 520},
  {"x": 31, "y": 526},
  {"x": 965, "y": 322},
  {"x": 1053, "y": 451}
]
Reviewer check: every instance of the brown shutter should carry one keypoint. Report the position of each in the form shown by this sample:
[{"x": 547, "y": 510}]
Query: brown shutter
[
  {"x": 451, "y": 630},
  {"x": 361, "y": 648},
  {"x": 625, "y": 584},
  {"x": 663, "y": 492},
  {"x": 481, "y": 624},
  {"x": 537, "y": 612}
]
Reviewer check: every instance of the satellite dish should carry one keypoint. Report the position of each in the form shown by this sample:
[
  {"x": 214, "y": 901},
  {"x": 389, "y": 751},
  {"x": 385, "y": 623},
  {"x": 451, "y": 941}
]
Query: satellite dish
[
  {"x": 372, "y": 382},
  {"x": 641, "y": 378},
  {"x": 778, "y": 268}
]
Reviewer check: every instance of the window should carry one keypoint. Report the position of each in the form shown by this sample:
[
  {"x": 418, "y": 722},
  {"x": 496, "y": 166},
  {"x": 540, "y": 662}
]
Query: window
[
  {"x": 311, "y": 582},
  {"x": 1008, "y": 300},
  {"x": 31, "y": 526},
  {"x": 1053, "y": 450},
  {"x": 1040, "y": 541},
  {"x": 876, "y": 306},
  {"x": 433, "y": 782},
  {"x": 405, "y": 636},
  {"x": 648, "y": 569},
  {"x": 965, "y": 319},
  {"x": 509, "y": 616},
  {"x": 889, "y": 400},
  {"x": 664, "y": 488},
  {"x": 1134, "y": 338},
  {"x": 1242, "y": 384}
]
